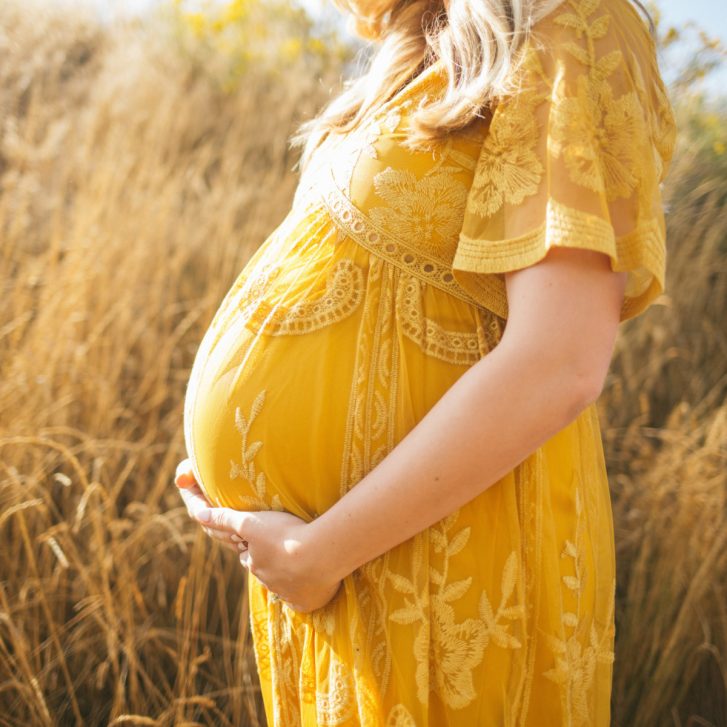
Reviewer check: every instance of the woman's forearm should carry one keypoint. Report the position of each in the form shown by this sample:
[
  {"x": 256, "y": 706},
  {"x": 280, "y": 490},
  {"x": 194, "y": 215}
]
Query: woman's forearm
[{"x": 496, "y": 414}]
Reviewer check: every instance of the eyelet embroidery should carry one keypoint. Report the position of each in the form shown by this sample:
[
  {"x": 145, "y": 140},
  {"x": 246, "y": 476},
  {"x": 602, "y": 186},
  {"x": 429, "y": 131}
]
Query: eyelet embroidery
[
  {"x": 343, "y": 294},
  {"x": 393, "y": 249},
  {"x": 456, "y": 347},
  {"x": 336, "y": 705}
]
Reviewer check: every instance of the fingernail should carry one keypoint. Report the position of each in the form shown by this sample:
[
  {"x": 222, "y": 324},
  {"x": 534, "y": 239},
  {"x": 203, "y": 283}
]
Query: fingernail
[{"x": 204, "y": 515}]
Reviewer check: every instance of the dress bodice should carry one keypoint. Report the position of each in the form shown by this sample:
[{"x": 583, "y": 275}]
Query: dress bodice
[{"x": 575, "y": 156}]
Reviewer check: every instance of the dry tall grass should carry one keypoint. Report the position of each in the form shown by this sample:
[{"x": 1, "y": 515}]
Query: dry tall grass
[{"x": 131, "y": 193}]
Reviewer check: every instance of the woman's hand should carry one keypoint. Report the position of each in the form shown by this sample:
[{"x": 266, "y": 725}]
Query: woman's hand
[
  {"x": 276, "y": 548},
  {"x": 195, "y": 501}
]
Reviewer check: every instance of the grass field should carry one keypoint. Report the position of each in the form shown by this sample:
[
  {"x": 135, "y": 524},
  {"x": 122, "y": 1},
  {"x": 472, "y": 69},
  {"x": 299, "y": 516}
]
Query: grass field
[{"x": 133, "y": 188}]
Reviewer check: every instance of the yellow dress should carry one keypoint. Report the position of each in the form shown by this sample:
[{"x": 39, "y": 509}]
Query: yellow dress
[{"x": 382, "y": 285}]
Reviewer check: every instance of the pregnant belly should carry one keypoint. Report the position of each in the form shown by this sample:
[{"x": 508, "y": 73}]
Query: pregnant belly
[
  {"x": 277, "y": 396},
  {"x": 265, "y": 417}
]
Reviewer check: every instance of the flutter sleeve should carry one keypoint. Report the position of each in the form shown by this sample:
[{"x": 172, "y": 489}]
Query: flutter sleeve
[{"x": 575, "y": 157}]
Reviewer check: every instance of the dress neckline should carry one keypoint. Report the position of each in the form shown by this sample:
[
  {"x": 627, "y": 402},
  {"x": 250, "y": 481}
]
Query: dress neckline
[
  {"x": 399, "y": 99},
  {"x": 405, "y": 92},
  {"x": 420, "y": 79}
]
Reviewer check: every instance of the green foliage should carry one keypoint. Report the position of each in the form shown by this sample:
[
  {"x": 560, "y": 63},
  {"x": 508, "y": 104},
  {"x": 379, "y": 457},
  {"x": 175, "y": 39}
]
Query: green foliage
[{"x": 227, "y": 38}]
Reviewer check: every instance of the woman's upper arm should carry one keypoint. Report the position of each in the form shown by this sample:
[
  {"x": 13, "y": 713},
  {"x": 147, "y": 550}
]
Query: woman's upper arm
[{"x": 564, "y": 313}]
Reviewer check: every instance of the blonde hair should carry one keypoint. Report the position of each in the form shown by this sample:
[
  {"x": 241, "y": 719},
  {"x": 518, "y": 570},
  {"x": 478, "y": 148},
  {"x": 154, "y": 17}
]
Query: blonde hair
[{"x": 477, "y": 42}]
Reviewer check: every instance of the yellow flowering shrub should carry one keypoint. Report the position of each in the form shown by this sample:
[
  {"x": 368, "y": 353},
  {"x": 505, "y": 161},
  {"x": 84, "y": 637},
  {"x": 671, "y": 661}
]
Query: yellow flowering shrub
[{"x": 227, "y": 37}]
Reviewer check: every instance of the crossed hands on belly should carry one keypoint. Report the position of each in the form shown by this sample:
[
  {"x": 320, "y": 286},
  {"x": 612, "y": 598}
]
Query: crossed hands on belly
[{"x": 273, "y": 546}]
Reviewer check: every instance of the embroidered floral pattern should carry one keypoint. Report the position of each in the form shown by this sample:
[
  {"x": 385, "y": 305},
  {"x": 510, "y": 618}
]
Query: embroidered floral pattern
[
  {"x": 588, "y": 128},
  {"x": 373, "y": 131},
  {"x": 241, "y": 300},
  {"x": 447, "y": 650},
  {"x": 400, "y": 717},
  {"x": 369, "y": 435},
  {"x": 577, "y": 655},
  {"x": 427, "y": 210},
  {"x": 293, "y": 685},
  {"x": 336, "y": 705},
  {"x": 392, "y": 119},
  {"x": 246, "y": 469},
  {"x": 592, "y": 129},
  {"x": 370, "y": 136},
  {"x": 608, "y": 162},
  {"x": 324, "y": 621},
  {"x": 508, "y": 169},
  {"x": 399, "y": 251}
]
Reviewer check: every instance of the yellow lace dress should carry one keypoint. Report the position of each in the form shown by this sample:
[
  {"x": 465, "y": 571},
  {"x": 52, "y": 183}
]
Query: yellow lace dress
[{"x": 382, "y": 285}]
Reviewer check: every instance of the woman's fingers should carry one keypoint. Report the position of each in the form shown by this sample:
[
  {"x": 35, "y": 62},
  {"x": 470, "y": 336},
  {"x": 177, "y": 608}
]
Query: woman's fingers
[
  {"x": 227, "y": 519},
  {"x": 184, "y": 476},
  {"x": 244, "y": 556},
  {"x": 223, "y": 539},
  {"x": 224, "y": 529},
  {"x": 194, "y": 499}
]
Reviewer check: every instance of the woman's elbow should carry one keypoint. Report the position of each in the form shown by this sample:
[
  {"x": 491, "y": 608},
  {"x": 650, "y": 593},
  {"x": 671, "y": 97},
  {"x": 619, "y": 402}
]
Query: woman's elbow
[
  {"x": 572, "y": 371},
  {"x": 588, "y": 387},
  {"x": 589, "y": 365},
  {"x": 564, "y": 313}
]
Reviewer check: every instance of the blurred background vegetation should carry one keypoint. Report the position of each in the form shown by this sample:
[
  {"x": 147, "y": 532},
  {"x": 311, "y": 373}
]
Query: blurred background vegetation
[{"x": 141, "y": 164}]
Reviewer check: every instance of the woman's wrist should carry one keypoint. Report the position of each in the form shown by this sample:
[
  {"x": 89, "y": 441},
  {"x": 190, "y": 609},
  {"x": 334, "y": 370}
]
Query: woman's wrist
[{"x": 324, "y": 552}]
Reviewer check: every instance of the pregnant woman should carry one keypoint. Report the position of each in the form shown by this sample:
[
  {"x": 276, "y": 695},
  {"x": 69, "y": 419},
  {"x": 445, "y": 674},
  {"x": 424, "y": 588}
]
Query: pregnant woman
[{"x": 392, "y": 416}]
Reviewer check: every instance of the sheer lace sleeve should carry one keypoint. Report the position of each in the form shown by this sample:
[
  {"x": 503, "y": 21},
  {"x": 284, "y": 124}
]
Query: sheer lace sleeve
[{"x": 575, "y": 157}]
